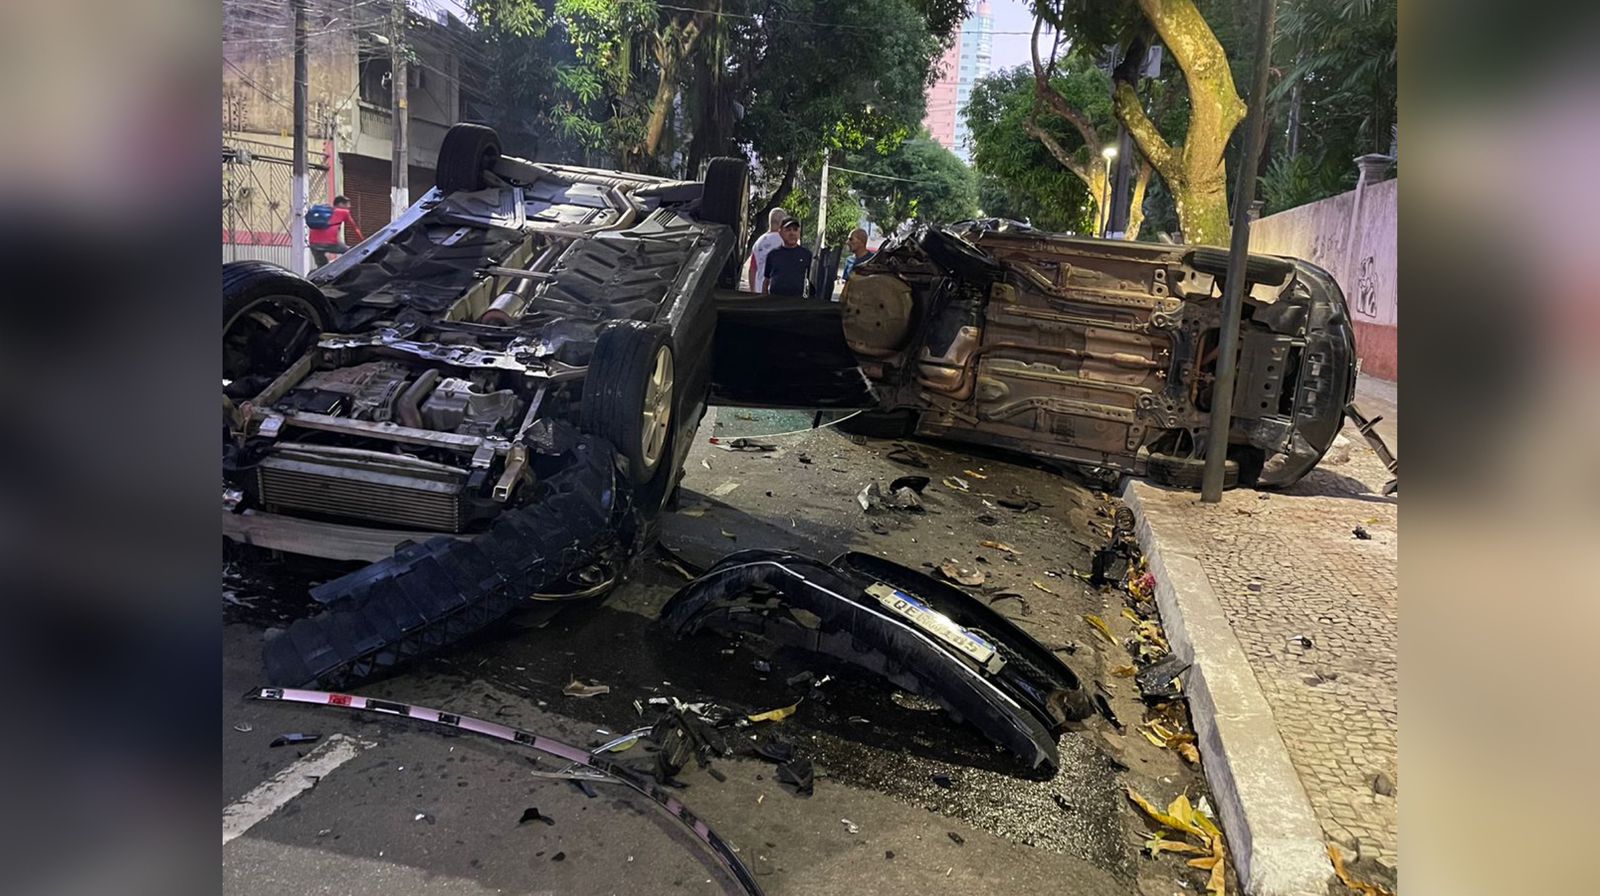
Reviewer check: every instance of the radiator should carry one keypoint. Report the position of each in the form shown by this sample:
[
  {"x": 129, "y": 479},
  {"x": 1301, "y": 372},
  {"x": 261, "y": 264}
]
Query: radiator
[{"x": 364, "y": 485}]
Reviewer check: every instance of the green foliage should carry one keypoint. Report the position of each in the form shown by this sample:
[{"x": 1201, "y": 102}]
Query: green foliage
[
  {"x": 1021, "y": 178},
  {"x": 1343, "y": 55},
  {"x": 930, "y": 184},
  {"x": 844, "y": 208},
  {"x": 815, "y": 86},
  {"x": 577, "y": 78},
  {"x": 1293, "y": 181}
]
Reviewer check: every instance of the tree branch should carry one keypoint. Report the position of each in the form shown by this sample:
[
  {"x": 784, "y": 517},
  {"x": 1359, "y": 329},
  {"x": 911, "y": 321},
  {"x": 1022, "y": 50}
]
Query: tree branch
[
  {"x": 1033, "y": 130},
  {"x": 1194, "y": 47},
  {"x": 1136, "y": 205},
  {"x": 1144, "y": 132},
  {"x": 1043, "y": 89}
]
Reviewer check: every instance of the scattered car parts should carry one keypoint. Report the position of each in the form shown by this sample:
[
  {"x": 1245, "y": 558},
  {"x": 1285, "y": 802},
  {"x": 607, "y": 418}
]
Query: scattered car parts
[
  {"x": 924, "y": 636},
  {"x": 613, "y": 771}
]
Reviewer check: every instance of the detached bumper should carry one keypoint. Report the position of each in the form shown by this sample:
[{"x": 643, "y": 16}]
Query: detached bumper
[
  {"x": 940, "y": 643},
  {"x": 333, "y": 541}
]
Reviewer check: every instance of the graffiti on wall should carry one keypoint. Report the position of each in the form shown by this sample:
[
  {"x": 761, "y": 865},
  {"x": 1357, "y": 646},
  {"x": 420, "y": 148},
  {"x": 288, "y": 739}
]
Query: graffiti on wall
[{"x": 1360, "y": 257}]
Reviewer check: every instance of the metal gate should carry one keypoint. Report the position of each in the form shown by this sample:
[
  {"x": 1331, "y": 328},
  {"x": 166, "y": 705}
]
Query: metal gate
[{"x": 256, "y": 186}]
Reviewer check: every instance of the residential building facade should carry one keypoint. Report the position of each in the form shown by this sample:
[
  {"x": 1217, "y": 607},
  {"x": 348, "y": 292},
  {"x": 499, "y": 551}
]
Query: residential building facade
[
  {"x": 968, "y": 59},
  {"x": 350, "y": 110}
]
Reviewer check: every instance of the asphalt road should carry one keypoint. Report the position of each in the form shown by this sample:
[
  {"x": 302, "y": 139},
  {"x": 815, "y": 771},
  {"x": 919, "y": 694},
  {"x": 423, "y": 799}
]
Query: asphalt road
[{"x": 385, "y": 806}]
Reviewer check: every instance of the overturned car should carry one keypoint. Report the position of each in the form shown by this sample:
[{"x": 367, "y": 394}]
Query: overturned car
[{"x": 430, "y": 379}]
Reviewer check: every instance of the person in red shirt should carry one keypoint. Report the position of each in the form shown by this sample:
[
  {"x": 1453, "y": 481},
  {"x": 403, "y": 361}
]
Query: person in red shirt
[{"x": 330, "y": 239}]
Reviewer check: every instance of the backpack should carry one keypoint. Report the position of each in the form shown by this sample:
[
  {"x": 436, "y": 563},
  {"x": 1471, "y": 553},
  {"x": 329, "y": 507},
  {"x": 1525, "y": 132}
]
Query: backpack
[{"x": 319, "y": 216}]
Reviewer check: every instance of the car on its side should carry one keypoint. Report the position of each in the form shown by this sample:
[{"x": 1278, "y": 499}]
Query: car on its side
[{"x": 1098, "y": 353}]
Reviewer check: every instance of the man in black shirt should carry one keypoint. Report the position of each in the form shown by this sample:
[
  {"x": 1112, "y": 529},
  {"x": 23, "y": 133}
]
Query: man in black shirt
[{"x": 788, "y": 264}]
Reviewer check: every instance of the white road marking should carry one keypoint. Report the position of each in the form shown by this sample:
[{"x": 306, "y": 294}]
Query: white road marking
[
  {"x": 724, "y": 489},
  {"x": 301, "y": 775}
]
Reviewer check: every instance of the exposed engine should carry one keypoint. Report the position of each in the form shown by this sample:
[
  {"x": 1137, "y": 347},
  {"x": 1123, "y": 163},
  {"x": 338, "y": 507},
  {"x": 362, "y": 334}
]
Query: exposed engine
[{"x": 429, "y": 477}]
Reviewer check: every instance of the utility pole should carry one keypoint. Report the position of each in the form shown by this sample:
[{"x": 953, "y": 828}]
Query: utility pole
[
  {"x": 822, "y": 204},
  {"x": 400, "y": 115},
  {"x": 1211, "y": 480},
  {"x": 299, "y": 250}
]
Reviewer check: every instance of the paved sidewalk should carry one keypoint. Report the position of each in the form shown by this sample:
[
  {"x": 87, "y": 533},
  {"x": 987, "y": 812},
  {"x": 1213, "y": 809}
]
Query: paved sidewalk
[{"x": 1285, "y": 566}]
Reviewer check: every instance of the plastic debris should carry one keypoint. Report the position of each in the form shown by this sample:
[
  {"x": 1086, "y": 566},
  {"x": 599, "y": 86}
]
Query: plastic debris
[
  {"x": 876, "y": 498},
  {"x": 850, "y": 826},
  {"x": 974, "y": 474},
  {"x": 284, "y": 740},
  {"x": 955, "y": 838},
  {"x": 244, "y": 727},
  {"x": 761, "y": 666},
  {"x": 1159, "y": 681},
  {"x": 915, "y": 483},
  {"x": 961, "y": 575},
  {"x": 1361, "y": 533},
  {"x": 727, "y": 534},
  {"x": 423, "y": 816},
  {"x": 533, "y": 814},
  {"x": 957, "y": 483},
  {"x": 998, "y": 546},
  {"x": 1042, "y": 587},
  {"x": 797, "y": 777},
  {"x": 779, "y": 751},
  {"x": 742, "y": 444},
  {"x": 576, "y": 688}
]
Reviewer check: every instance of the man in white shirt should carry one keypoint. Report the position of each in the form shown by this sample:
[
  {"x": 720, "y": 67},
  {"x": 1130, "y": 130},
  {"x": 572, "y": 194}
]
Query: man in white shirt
[{"x": 764, "y": 245}]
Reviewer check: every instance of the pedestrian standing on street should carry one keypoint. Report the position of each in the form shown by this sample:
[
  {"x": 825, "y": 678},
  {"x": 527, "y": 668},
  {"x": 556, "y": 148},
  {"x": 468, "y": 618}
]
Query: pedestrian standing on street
[
  {"x": 329, "y": 237},
  {"x": 765, "y": 244},
  {"x": 788, "y": 264},
  {"x": 857, "y": 243}
]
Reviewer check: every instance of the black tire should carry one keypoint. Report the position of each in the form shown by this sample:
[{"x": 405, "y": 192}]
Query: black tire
[
  {"x": 895, "y": 424},
  {"x": 1187, "y": 472},
  {"x": 270, "y": 316},
  {"x": 725, "y": 199},
  {"x": 617, "y": 388},
  {"x": 467, "y": 151}
]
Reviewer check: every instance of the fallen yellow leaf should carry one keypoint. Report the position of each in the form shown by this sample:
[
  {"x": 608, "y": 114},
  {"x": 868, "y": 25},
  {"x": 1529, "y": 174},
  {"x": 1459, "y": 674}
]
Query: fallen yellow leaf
[
  {"x": 1152, "y": 737},
  {"x": 1099, "y": 626},
  {"x": 1159, "y": 844},
  {"x": 1037, "y": 584},
  {"x": 1131, "y": 616},
  {"x": 974, "y": 474},
  {"x": 1187, "y": 751},
  {"x": 775, "y": 715},
  {"x": 998, "y": 546},
  {"x": 1124, "y": 671}
]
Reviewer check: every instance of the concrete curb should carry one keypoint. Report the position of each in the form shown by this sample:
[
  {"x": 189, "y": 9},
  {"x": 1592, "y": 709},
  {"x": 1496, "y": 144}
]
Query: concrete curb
[{"x": 1276, "y": 841}]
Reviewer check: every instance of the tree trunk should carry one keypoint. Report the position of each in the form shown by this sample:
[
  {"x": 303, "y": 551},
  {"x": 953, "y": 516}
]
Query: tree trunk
[
  {"x": 1136, "y": 203},
  {"x": 1194, "y": 172}
]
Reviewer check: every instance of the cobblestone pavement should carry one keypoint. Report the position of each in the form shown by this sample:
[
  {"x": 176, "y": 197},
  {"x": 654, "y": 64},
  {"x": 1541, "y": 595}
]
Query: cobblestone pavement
[{"x": 1286, "y": 565}]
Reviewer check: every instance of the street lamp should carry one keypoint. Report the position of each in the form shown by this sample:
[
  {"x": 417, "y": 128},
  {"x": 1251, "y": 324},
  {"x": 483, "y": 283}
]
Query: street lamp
[{"x": 1109, "y": 153}]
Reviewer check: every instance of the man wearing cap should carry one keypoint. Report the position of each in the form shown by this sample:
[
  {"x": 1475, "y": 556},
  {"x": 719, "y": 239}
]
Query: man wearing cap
[{"x": 787, "y": 265}]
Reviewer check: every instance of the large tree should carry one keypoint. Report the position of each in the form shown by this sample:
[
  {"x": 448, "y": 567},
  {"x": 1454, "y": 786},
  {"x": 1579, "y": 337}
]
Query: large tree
[
  {"x": 916, "y": 180},
  {"x": 1019, "y": 176},
  {"x": 1007, "y": 113},
  {"x": 1191, "y": 164}
]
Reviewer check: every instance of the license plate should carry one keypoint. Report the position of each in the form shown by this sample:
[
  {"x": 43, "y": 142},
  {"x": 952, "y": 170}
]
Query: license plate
[{"x": 939, "y": 626}]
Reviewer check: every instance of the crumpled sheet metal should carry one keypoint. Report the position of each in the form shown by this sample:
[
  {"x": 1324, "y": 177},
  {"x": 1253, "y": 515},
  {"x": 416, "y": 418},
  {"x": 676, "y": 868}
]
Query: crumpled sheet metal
[
  {"x": 615, "y": 772},
  {"x": 1023, "y": 706}
]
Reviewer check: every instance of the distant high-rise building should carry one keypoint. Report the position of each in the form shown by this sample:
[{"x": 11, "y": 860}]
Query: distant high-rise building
[{"x": 966, "y": 61}]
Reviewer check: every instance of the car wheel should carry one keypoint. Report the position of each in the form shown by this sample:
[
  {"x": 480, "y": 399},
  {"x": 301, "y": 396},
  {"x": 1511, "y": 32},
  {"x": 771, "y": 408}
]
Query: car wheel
[
  {"x": 895, "y": 424},
  {"x": 628, "y": 395},
  {"x": 725, "y": 199},
  {"x": 467, "y": 151},
  {"x": 1187, "y": 472},
  {"x": 270, "y": 316}
]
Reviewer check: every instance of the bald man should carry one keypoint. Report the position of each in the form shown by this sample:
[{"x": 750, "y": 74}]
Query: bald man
[
  {"x": 764, "y": 246},
  {"x": 857, "y": 242}
]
